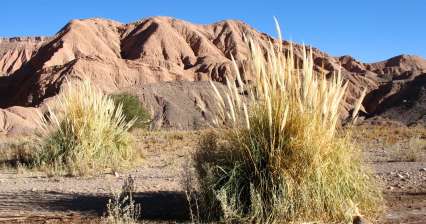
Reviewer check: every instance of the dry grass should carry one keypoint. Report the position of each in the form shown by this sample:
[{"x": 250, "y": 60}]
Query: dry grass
[
  {"x": 386, "y": 133},
  {"x": 166, "y": 140},
  {"x": 416, "y": 147},
  {"x": 414, "y": 150},
  {"x": 401, "y": 143},
  {"x": 15, "y": 152},
  {"x": 279, "y": 159},
  {"x": 122, "y": 209},
  {"x": 83, "y": 133}
]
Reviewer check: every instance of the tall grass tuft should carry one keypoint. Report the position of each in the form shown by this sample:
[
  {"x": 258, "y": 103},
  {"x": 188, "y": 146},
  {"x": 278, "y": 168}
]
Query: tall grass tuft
[
  {"x": 84, "y": 132},
  {"x": 280, "y": 158}
]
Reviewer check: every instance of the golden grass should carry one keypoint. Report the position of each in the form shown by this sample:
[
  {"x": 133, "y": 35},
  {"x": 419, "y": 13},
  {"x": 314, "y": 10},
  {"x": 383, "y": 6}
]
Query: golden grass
[
  {"x": 84, "y": 132},
  {"x": 416, "y": 147},
  {"x": 387, "y": 133},
  {"x": 279, "y": 158},
  {"x": 167, "y": 141},
  {"x": 412, "y": 149}
]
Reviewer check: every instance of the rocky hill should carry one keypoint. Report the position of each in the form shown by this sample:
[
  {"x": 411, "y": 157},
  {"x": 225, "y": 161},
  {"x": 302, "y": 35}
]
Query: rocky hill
[
  {"x": 14, "y": 52},
  {"x": 160, "y": 57}
]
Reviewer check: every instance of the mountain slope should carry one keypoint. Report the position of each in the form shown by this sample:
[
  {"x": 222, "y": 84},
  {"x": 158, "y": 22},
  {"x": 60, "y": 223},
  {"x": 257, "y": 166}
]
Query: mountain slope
[
  {"x": 118, "y": 56},
  {"x": 14, "y": 52}
]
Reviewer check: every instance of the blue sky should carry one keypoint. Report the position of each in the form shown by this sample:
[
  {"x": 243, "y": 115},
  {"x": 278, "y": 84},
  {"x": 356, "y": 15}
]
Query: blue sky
[{"x": 369, "y": 30}]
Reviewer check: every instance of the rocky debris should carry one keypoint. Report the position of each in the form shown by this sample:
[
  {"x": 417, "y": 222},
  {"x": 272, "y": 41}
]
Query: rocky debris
[{"x": 159, "y": 50}]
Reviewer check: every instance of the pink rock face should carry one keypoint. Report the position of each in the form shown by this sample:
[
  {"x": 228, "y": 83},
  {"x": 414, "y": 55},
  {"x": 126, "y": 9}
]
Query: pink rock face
[
  {"x": 118, "y": 56},
  {"x": 18, "y": 120},
  {"x": 14, "y": 52}
]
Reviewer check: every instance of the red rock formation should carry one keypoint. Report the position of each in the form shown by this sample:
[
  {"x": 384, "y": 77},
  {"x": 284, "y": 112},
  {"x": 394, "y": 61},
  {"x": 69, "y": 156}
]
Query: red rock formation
[{"x": 118, "y": 56}]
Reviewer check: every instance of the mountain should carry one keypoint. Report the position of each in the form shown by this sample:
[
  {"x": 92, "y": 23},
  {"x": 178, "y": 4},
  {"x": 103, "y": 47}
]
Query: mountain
[
  {"x": 157, "y": 58},
  {"x": 14, "y": 52}
]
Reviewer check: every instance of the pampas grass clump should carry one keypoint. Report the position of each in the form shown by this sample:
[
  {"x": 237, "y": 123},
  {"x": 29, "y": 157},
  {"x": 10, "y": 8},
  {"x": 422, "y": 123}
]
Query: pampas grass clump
[
  {"x": 280, "y": 158},
  {"x": 84, "y": 132}
]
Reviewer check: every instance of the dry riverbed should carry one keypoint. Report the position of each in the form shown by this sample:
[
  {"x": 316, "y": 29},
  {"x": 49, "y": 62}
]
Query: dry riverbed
[{"x": 28, "y": 196}]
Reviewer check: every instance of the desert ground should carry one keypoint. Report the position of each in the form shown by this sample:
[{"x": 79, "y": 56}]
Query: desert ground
[
  {"x": 167, "y": 63},
  {"x": 29, "y": 196}
]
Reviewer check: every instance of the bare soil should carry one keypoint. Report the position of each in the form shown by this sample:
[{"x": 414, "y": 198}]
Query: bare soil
[{"x": 28, "y": 196}]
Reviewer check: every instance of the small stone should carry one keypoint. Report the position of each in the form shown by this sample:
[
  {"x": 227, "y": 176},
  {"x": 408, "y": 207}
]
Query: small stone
[
  {"x": 34, "y": 189},
  {"x": 116, "y": 174},
  {"x": 400, "y": 176},
  {"x": 423, "y": 169}
]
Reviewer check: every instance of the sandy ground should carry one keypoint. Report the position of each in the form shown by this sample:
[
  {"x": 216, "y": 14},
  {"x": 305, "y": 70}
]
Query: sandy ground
[{"x": 34, "y": 197}]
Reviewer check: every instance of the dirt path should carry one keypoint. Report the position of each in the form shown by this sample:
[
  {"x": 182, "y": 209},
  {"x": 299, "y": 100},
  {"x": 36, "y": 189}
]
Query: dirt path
[{"x": 33, "y": 197}]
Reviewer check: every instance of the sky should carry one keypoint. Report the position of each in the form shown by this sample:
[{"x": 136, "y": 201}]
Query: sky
[{"x": 369, "y": 30}]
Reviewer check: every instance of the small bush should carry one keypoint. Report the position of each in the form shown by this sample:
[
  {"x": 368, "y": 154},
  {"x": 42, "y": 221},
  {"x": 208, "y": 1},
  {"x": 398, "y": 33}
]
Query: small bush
[
  {"x": 84, "y": 132},
  {"x": 416, "y": 147},
  {"x": 279, "y": 159},
  {"x": 122, "y": 209},
  {"x": 132, "y": 108},
  {"x": 16, "y": 152}
]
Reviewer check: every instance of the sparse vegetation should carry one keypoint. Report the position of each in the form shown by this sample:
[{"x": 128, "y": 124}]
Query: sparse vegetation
[
  {"x": 416, "y": 147},
  {"x": 414, "y": 150},
  {"x": 132, "y": 108},
  {"x": 15, "y": 153},
  {"x": 189, "y": 186},
  {"x": 400, "y": 143},
  {"x": 83, "y": 133},
  {"x": 122, "y": 209},
  {"x": 279, "y": 159},
  {"x": 388, "y": 134}
]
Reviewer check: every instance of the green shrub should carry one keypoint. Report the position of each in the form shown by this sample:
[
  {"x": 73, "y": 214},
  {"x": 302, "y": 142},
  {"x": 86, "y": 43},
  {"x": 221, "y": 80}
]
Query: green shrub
[
  {"x": 84, "y": 132},
  {"x": 280, "y": 160},
  {"x": 132, "y": 108}
]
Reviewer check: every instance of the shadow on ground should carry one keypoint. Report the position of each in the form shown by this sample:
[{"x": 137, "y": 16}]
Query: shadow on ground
[{"x": 155, "y": 205}]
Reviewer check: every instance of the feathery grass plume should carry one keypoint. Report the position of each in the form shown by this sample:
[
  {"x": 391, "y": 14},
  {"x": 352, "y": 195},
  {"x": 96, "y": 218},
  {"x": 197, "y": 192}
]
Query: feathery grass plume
[
  {"x": 84, "y": 132},
  {"x": 281, "y": 159},
  {"x": 358, "y": 105}
]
